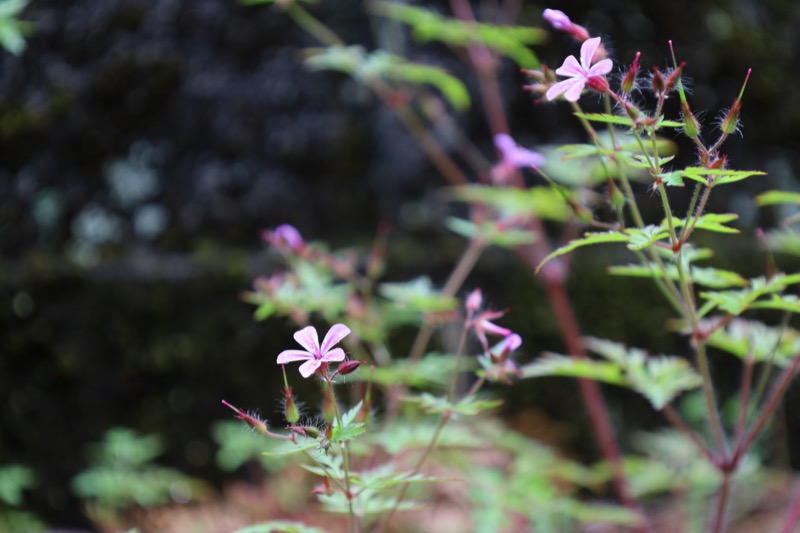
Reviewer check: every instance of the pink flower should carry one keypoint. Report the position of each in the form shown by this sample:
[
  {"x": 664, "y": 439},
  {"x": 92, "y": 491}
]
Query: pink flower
[
  {"x": 581, "y": 74},
  {"x": 513, "y": 157},
  {"x": 285, "y": 236},
  {"x": 483, "y": 325},
  {"x": 557, "y": 19},
  {"x": 315, "y": 355}
]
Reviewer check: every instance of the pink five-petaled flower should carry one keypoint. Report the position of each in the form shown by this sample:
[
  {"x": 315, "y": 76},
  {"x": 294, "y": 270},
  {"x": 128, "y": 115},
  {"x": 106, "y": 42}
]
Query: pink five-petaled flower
[
  {"x": 581, "y": 74},
  {"x": 315, "y": 354},
  {"x": 513, "y": 157}
]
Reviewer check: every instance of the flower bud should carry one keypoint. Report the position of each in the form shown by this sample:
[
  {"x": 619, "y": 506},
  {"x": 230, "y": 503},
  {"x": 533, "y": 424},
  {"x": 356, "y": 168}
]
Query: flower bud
[
  {"x": 259, "y": 426},
  {"x": 474, "y": 301},
  {"x": 730, "y": 123},
  {"x": 674, "y": 77},
  {"x": 629, "y": 80},
  {"x": 657, "y": 82},
  {"x": 615, "y": 196},
  {"x": 348, "y": 366},
  {"x": 290, "y": 409},
  {"x": 691, "y": 127}
]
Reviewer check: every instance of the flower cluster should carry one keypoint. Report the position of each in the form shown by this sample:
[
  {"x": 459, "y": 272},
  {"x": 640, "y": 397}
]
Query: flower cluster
[{"x": 495, "y": 360}]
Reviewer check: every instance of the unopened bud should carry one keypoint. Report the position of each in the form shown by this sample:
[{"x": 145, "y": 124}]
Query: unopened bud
[
  {"x": 691, "y": 127},
  {"x": 730, "y": 123},
  {"x": 348, "y": 366},
  {"x": 674, "y": 77},
  {"x": 290, "y": 409},
  {"x": 629, "y": 80},
  {"x": 259, "y": 426},
  {"x": 631, "y": 110},
  {"x": 615, "y": 195},
  {"x": 306, "y": 431},
  {"x": 657, "y": 82},
  {"x": 474, "y": 301}
]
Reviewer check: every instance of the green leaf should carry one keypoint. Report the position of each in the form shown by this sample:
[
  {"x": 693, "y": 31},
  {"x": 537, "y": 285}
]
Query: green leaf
[
  {"x": 541, "y": 202},
  {"x": 433, "y": 371},
  {"x": 641, "y": 238},
  {"x": 587, "y": 240},
  {"x": 13, "y": 30},
  {"x": 756, "y": 341},
  {"x": 707, "y": 277},
  {"x": 659, "y": 379},
  {"x": 14, "y": 479},
  {"x": 510, "y": 41},
  {"x": 467, "y": 406},
  {"x": 350, "y": 428},
  {"x": 721, "y": 177},
  {"x": 778, "y": 197},
  {"x": 736, "y": 302},
  {"x": 551, "y": 364},
  {"x": 491, "y": 232},
  {"x": 418, "y": 294}
]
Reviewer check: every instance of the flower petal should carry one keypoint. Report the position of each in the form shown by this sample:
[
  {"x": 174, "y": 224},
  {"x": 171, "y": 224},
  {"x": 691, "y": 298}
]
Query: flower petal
[
  {"x": 309, "y": 367},
  {"x": 571, "y": 68},
  {"x": 334, "y": 335},
  {"x": 601, "y": 68},
  {"x": 573, "y": 93},
  {"x": 289, "y": 356},
  {"x": 588, "y": 48},
  {"x": 557, "y": 19},
  {"x": 504, "y": 142},
  {"x": 308, "y": 339},
  {"x": 337, "y": 354},
  {"x": 569, "y": 86}
]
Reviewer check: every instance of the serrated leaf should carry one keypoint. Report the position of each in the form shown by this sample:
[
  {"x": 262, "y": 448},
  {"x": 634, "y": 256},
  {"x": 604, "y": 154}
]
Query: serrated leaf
[
  {"x": 659, "y": 379},
  {"x": 756, "y": 341},
  {"x": 606, "y": 118},
  {"x": 587, "y": 240},
  {"x": 721, "y": 177},
  {"x": 349, "y": 428},
  {"x": 735, "y": 302},
  {"x": 641, "y": 238}
]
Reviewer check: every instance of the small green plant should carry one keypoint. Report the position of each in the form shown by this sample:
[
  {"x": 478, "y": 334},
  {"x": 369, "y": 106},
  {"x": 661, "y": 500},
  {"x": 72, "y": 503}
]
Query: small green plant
[
  {"x": 122, "y": 478},
  {"x": 14, "y": 480}
]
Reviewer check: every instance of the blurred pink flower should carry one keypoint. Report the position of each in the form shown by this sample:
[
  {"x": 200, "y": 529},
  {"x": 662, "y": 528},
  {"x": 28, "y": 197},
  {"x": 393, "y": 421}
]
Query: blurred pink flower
[
  {"x": 512, "y": 157},
  {"x": 561, "y": 22},
  {"x": 582, "y": 74},
  {"x": 315, "y": 354},
  {"x": 285, "y": 236}
]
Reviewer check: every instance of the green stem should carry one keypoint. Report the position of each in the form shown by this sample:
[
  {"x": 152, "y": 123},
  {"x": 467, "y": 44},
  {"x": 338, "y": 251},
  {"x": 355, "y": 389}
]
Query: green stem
[
  {"x": 309, "y": 23},
  {"x": 352, "y": 519}
]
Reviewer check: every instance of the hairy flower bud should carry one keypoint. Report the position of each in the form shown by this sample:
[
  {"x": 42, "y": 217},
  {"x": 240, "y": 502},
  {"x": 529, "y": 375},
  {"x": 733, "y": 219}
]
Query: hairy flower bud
[
  {"x": 657, "y": 83},
  {"x": 290, "y": 409},
  {"x": 691, "y": 127},
  {"x": 348, "y": 367},
  {"x": 259, "y": 426},
  {"x": 628, "y": 84}
]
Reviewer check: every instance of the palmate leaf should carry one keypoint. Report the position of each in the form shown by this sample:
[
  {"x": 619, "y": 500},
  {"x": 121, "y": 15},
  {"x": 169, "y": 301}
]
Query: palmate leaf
[
  {"x": 350, "y": 428},
  {"x": 736, "y": 302},
  {"x": 431, "y": 372},
  {"x": 756, "y": 341},
  {"x": 510, "y": 41},
  {"x": 659, "y": 379}
]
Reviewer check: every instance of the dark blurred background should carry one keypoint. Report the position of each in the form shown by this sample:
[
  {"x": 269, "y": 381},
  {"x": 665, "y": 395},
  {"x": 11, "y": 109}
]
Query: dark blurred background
[{"x": 145, "y": 143}]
